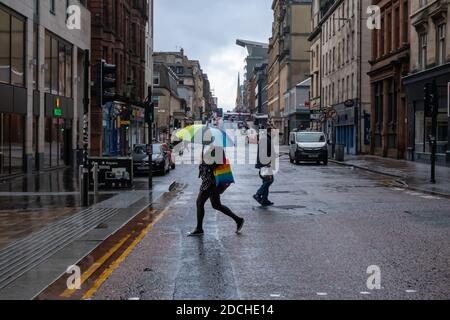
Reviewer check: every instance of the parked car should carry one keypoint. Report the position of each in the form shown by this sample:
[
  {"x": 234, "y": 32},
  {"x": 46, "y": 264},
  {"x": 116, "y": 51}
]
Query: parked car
[
  {"x": 308, "y": 146},
  {"x": 160, "y": 159}
]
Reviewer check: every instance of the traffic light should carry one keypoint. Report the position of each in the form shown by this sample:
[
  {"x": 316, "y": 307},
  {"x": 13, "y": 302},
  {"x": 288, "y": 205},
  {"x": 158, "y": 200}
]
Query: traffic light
[
  {"x": 434, "y": 99},
  {"x": 149, "y": 112},
  {"x": 428, "y": 100},
  {"x": 57, "y": 112},
  {"x": 108, "y": 82},
  {"x": 431, "y": 99}
]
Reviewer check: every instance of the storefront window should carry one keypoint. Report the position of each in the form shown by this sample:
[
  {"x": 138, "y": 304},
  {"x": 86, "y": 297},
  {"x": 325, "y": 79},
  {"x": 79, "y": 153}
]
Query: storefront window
[
  {"x": 423, "y": 130},
  {"x": 12, "y": 133},
  {"x": 55, "y": 142},
  {"x": 12, "y": 49}
]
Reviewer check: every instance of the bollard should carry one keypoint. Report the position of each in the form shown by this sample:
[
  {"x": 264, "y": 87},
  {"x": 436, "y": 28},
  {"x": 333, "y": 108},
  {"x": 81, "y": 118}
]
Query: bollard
[{"x": 81, "y": 184}]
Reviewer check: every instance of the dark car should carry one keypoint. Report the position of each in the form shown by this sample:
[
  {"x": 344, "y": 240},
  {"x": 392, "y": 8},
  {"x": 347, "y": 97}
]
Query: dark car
[{"x": 161, "y": 160}]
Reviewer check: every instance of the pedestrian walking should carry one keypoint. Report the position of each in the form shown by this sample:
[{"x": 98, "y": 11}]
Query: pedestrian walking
[
  {"x": 265, "y": 168},
  {"x": 210, "y": 190}
]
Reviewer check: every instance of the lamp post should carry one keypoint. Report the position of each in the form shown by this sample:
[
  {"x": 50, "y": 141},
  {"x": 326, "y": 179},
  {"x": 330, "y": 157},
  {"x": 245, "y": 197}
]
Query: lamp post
[{"x": 149, "y": 118}]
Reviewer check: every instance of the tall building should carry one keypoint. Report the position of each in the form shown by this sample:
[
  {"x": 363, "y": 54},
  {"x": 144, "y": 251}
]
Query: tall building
[
  {"x": 239, "y": 106},
  {"x": 430, "y": 61},
  {"x": 345, "y": 93},
  {"x": 119, "y": 38},
  {"x": 169, "y": 107},
  {"x": 260, "y": 73},
  {"x": 288, "y": 62},
  {"x": 257, "y": 56},
  {"x": 42, "y": 60},
  {"x": 389, "y": 64},
  {"x": 149, "y": 36},
  {"x": 191, "y": 87},
  {"x": 315, "y": 39}
]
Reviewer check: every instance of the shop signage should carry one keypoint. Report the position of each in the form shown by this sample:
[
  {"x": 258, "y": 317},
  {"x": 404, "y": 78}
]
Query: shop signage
[{"x": 345, "y": 116}]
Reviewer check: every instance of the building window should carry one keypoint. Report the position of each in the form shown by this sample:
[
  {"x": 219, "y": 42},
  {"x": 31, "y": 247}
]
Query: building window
[
  {"x": 58, "y": 66},
  {"x": 423, "y": 42},
  {"x": 156, "y": 79},
  {"x": 441, "y": 36},
  {"x": 12, "y": 49},
  {"x": 51, "y": 5}
]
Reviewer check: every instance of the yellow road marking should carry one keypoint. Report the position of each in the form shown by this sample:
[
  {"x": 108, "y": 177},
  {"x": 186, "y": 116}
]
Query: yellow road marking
[
  {"x": 107, "y": 273},
  {"x": 89, "y": 272}
]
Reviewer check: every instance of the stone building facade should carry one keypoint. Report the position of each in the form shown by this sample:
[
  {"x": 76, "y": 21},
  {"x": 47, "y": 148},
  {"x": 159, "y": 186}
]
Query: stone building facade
[
  {"x": 346, "y": 50},
  {"x": 288, "y": 61},
  {"x": 42, "y": 60},
  {"x": 430, "y": 61}
]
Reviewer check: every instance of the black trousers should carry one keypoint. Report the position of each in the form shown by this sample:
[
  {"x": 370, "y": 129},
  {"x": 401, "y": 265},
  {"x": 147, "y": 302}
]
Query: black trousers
[{"x": 213, "y": 195}]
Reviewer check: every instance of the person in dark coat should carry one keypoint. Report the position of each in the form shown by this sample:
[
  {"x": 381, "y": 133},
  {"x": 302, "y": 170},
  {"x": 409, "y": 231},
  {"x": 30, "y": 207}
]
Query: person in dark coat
[{"x": 209, "y": 190}]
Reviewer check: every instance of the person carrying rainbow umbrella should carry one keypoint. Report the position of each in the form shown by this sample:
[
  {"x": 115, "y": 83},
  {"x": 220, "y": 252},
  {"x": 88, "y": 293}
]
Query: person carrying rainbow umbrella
[{"x": 214, "y": 170}]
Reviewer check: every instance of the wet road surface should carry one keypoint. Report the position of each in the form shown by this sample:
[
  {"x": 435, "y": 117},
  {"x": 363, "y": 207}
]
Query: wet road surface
[{"x": 328, "y": 225}]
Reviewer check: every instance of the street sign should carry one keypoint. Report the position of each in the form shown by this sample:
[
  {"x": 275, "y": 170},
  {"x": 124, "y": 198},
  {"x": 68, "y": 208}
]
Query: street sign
[{"x": 114, "y": 173}]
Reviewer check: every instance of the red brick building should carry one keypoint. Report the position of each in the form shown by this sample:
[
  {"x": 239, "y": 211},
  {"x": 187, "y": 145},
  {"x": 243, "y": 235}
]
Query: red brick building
[
  {"x": 389, "y": 64},
  {"x": 118, "y": 37}
]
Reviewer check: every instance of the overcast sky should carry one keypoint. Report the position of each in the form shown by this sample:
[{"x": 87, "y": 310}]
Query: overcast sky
[{"x": 207, "y": 31}]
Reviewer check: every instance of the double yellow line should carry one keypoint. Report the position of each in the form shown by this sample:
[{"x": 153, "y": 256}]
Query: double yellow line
[{"x": 114, "y": 265}]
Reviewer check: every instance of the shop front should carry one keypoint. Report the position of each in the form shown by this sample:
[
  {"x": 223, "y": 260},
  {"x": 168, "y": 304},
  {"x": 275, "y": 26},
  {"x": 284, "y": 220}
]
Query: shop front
[
  {"x": 123, "y": 127},
  {"x": 420, "y": 126},
  {"x": 345, "y": 128}
]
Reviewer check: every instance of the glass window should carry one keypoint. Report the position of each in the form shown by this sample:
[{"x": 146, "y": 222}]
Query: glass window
[
  {"x": 48, "y": 63},
  {"x": 17, "y": 52},
  {"x": 5, "y": 44},
  {"x": 48, "y": 143},
  {"x": 35, "y": 56},
  {"x": 58, "y": 73},
  {"x": 5, "y": 150},
  {"x": 69, "y": 71},
  {"x": 17, "y": 142},
  {"x": 61, "y": 69},
  {"x": 54, "y": 67}
]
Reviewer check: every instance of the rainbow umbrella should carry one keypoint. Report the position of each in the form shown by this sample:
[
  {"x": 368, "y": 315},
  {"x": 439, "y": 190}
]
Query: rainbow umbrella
[{"x": 203, "y": 134}]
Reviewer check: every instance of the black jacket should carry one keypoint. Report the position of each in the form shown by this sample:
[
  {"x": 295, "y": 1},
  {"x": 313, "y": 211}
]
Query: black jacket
[{"x": 269, "y": 150}]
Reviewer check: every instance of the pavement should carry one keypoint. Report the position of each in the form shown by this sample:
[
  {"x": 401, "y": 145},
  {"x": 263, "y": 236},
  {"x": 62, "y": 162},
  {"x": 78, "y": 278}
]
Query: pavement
[
  {"x": 414, "y": 175},
  {"x": 44, "y": 230},
  {"x": 330, "y": 228}
]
